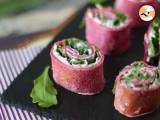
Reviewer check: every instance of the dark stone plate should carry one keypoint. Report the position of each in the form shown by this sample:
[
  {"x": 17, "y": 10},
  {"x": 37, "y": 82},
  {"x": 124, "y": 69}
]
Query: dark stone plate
[{"x": 73, "y": 106}]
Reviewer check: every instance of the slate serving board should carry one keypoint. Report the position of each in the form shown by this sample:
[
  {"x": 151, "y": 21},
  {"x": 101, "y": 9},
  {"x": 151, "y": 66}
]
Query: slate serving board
[{"x": 72, "y": 106}]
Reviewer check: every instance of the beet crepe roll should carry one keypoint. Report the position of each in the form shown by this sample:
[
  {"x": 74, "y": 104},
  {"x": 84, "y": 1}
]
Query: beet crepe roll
[
  {"x": 152, "y": 43},
  {"x": 109, "y": 30},
  {"x": 137, "y": 90},
  {"x": 131, "y": 8},
  {"x": 78, "y": 66}
]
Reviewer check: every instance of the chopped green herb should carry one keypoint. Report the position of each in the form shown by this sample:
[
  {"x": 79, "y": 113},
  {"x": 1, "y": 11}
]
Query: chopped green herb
[
  {"x": 135, "y": 73},
  {"x": 43, "y": 91},
  {"x": 117, "y": 21},
  {"x": 76, "y": 62},
  {"x": 120, "y": 18},
  {"x": 91, "y": 60},
  {"x": 60, "y": 51},
  {"x": 140, "y": 76},
  {"x": 129, "y": 83},
  {"x": 157, "y": 79},
  {"x": 138, "y": 64}
]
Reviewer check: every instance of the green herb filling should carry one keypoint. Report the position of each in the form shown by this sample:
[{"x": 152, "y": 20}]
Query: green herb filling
[
  {"x": 154, "y": 42},
  {"x": 138, "y": 64},
  {"x": 81, "y": 47},
  {"x": 119, "y": 19},
  {"x": 136, "y": 73}
]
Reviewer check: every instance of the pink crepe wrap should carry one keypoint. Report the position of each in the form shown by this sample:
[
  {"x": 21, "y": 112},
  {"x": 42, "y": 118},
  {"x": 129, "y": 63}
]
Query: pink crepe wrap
[
  {"x": 82, "y": 80},
  {"x": 131, "y": 8},
  {"x": 110, "y": 40}
]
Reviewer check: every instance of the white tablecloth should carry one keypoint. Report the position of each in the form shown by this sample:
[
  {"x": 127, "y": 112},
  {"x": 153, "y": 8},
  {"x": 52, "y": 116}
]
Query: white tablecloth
[{"x": 12, "y": 63}]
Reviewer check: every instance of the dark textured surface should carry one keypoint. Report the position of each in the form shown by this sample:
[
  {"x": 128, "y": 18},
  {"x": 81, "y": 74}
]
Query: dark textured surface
[{"x": 72, "y": 106}]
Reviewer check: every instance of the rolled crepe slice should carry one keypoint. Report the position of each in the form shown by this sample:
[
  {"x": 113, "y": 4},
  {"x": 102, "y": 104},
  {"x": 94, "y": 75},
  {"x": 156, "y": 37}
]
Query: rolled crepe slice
[
  {"x": 78, "y": 66},
  {"x": 137, "y": 90},
  {"x": 152, "y": 43},
  {"x": 108, "y": 29},
  {"x": 131, "y": 8}
]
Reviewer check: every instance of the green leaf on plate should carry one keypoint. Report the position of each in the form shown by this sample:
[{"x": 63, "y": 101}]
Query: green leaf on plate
[
  {"x": 43, "y": 91},
  {"x": 114, "y": 88},
  {"x": 98, "y": 1},
  {"x": 81, "y": 24}
]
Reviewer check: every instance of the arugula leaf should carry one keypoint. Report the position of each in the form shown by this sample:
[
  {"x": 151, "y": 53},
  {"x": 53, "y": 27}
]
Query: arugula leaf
[
  {"x": 81, "y": 24},
  {"x": 43, "y": 91},
  {"x": 114, "y": 88},
  {"x": 98, "y": 1}
]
